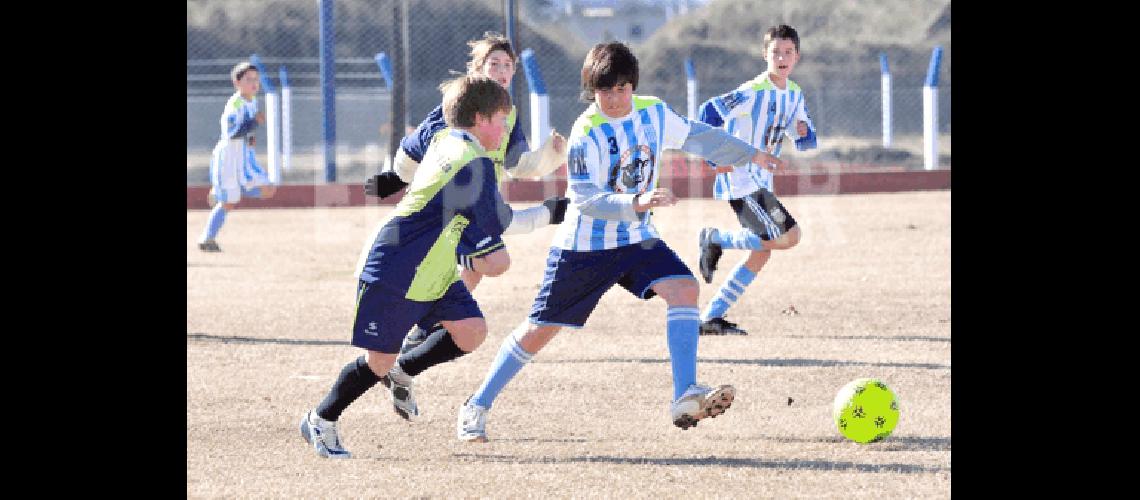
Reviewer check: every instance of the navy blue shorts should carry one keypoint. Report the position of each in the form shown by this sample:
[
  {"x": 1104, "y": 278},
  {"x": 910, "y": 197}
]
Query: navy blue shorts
[
  {"x": 575, "y": 281},
  {"x": 383, "y": 317}
]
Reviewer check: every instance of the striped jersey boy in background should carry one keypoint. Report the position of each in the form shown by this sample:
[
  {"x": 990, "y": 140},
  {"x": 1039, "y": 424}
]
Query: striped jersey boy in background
[
  {"x": 761, "y": 111},
  {"x": 233, "y": 169}
]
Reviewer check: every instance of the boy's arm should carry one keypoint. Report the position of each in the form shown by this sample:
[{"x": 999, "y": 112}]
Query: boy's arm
[
  {"x": 584, "y": 164},
  {"x": 719, "y": 109},
  {"x": 807, "y": 141},
  {"x": 548, "y": 158},
  {"x": 713, "y": 144},
  {"x": 474, "y": 192},
  {"x": 240, "y": 123},
  {"x": 408, "y": 156}
]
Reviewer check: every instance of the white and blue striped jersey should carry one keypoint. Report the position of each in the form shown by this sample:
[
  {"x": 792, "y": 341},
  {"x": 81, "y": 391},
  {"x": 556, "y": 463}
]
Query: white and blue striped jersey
[
  {"x": 239, "y": 117},
  {"x": 612, "y": 160},
  {"x": 761, "y": 114},
  {"x": 233, "y": 164}
]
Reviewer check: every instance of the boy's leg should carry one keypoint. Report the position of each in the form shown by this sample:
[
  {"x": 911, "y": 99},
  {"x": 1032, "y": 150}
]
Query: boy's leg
[
  {"x": 461, "y": 330},
  {"x": 567, "y": 298},
  {"x": 512, "y": 356},
  {"x": 474, "y": 268},
  {"x": 661, "y": 272},
  {"x": 226, "y": 199},
  {"x": 381, "y": 318},
  {"x": 766, "y": 226}
]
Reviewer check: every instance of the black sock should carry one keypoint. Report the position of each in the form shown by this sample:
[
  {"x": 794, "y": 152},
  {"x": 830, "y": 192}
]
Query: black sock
[
  {"x": 355, "y": 379},
  {"x": 438, "y": 348}
]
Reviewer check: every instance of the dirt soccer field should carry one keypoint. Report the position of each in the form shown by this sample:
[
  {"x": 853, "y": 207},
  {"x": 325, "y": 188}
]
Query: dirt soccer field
[{"x": 268, "y": 323}]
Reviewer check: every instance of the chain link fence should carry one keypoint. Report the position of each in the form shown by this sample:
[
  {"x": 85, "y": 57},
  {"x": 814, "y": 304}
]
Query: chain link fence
[{"x": 285, "y": 33}]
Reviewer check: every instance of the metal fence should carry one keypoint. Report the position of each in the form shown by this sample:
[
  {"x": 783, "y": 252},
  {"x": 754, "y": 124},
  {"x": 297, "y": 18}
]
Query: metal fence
[{"x": 284, "y": 33}]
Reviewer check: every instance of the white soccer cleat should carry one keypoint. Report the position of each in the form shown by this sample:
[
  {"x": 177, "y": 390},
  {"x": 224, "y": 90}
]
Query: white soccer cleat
[
  {"x": 472, "y": 424},
  {"x": 322, "y": 435},
  {"x": 399, "y": 386},
  {"x": 698, "y": 402}
]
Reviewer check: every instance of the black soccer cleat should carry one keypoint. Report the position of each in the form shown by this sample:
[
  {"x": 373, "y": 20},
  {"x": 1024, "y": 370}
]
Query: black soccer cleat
[
  {"x": 710, "y": 254},
  {"x": 209, "y": 246},
  {"x": 720, "y": 326}
]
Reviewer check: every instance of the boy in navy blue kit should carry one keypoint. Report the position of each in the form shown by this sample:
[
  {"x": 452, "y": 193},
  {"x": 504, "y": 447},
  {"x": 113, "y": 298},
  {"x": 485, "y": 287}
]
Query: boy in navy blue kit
[{"x": 407, "y": 269}]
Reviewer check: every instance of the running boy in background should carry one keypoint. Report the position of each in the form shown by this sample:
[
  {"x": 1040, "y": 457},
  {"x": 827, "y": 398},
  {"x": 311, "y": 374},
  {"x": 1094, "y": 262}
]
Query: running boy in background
[
  {"x": 407, "y": 269},
  {"x": 493, "y": 57},
  {"x": 233, "y": 167},
  {"x": 608, "y": 237},
  {"x": 760, "y": 111}
]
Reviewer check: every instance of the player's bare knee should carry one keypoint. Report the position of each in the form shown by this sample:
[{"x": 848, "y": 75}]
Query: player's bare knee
[
  {"x": 793, "y": 236},
  {"x": 380, "y": 362},
  {"x": 679, "y": 292},
  {"x": 468, "y": 334}
]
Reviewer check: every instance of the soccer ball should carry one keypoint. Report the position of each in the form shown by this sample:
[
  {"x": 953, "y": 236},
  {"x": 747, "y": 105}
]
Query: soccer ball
[{"x": 865, "y": 410}]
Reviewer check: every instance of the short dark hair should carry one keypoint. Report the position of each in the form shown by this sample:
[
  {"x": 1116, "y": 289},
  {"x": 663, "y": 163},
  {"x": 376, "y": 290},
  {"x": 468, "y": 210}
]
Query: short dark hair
[
  {"x": 240, "y": 69},
  {"x": 782, "y": 31},
  {"x": 607, "y": 65},
  {"x": 468, "y": 95},
  {"x": 483, "y": 47}
]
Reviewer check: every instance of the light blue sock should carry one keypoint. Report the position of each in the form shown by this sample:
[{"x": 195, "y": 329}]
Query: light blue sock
[
  {"x": 507, "y": 363},
  {"x": 729, "y": 292},
  {"x": 214, "y": 223},
  {"x": 741, "y": 239},
  {"x": 683, "y": 326}
]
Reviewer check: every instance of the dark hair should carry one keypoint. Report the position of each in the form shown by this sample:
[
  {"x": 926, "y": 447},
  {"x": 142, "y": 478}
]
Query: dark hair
[
  {"x": 483, "y": 47},
  {"x": 240, "y": 69},
  {"x": 782, "y": 31},
  {"x": 607, "y": 65},
  {"x": 468, "y": 95}
]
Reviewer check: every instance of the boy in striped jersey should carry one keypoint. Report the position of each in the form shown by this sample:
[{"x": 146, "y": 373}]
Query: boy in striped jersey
[
  {"x": 233, "y": 168},
  {"x": 407, "y": 269},
  {"x": 493, "y": 57},
  {"x": 608, "y": 236},
  {"x": 760, "y": 111}
]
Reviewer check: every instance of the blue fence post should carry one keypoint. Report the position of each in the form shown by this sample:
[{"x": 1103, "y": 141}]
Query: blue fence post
[{"x": 328, "y": 87}]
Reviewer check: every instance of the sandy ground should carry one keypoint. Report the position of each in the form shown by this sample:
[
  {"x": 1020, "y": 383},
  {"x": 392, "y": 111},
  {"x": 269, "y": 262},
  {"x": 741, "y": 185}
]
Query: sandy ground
[{"x": 268, "y": 322}]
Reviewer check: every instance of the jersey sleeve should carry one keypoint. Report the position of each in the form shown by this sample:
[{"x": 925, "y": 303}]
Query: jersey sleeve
[
  {"x": 516, "y": 146},
  {"x": 808, "y": 141},
  {"x": 474, "y": 193},
  {"x": 415, "y": 145},
  {"x": 240, "y": 120}
]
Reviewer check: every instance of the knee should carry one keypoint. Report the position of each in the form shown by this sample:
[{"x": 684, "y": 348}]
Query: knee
[
  {"x": 380, "y": 362},
  {"x": 681, "y": 293},
  {"x": 469, "y": 335},
  {"x": 788, "y": 239}
]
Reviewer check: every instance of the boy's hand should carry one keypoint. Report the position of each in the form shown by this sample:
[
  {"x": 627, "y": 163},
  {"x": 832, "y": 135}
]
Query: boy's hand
[
  {"x": 768, "y": 161},
  {"x": 557, "y": 207},
  {"x": 260, "y": 117},
  {"x": 801, "y": 128},
  {"x": 559, "y": 142},
  {"x": 659, "y": 197},
  {"x": 384, "y": 184}
]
